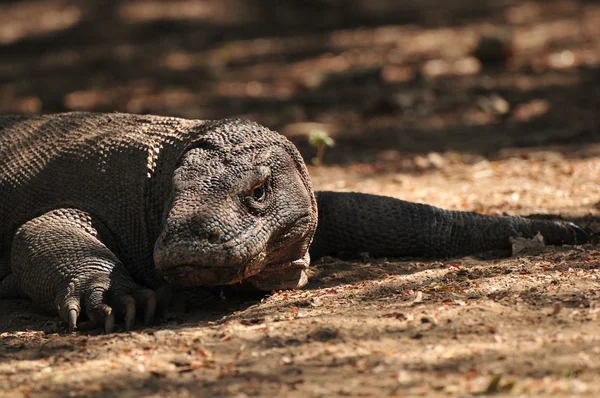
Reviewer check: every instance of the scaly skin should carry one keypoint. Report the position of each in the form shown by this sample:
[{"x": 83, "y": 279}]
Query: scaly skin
[{"x": 99, "y": 211}]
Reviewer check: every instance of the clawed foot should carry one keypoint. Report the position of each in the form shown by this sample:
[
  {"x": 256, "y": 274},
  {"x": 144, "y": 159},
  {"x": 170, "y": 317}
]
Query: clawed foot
[
  {"x": 118, "y": 298},
  {"x": 60, "y": 262}
]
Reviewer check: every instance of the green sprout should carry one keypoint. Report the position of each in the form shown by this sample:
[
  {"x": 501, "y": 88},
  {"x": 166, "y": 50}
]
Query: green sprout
[{"x": 320, "y": 140}]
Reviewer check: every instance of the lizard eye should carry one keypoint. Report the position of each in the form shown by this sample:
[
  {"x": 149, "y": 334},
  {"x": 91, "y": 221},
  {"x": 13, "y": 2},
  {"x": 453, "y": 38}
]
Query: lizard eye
[
  {"x": 257, "y": 195},
  {"x": 259, "y": 192}
]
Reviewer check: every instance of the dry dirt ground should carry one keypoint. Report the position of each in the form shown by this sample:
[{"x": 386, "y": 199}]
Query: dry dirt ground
[{"x": 416, "y": 115}]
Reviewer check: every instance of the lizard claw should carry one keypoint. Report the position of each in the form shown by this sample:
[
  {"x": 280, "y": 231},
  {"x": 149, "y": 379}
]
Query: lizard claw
[
  {"x": 150, "y": 310},
  {"x": 164, "y": 297},
  {"x": 129, "y": 312},
  {"x": 72, "y": 320},
  {"x": 145, "y": 300},
  {"x": 109, "y": 323},
  {"x": 104, "y": 316}
]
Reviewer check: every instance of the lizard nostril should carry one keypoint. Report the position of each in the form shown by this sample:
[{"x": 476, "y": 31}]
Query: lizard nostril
[{"x": 214, "y": 235}]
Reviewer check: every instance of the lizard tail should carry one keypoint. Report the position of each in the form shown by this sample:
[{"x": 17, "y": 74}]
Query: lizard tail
[{"x": 354, "y": 223}]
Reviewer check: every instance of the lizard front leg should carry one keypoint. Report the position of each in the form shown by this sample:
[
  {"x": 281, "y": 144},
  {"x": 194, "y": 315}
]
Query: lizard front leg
[{"x": 60, "y": 262}]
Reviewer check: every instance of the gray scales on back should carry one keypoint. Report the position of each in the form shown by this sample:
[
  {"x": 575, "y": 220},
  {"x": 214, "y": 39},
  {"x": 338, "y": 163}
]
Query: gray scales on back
[{"x": 99, "y": 212}]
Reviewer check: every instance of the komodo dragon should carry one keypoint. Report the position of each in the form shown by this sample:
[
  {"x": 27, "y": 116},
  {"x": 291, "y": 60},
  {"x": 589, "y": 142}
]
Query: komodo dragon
[{"x": 98, "y": 211}]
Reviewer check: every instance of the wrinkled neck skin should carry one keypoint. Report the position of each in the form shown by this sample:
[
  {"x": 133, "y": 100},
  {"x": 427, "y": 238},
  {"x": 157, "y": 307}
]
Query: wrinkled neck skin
[{"x": 241, "y": 207}]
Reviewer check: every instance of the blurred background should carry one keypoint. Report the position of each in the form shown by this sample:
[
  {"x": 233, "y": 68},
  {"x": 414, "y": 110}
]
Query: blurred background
[{"x": 385, "y": 79}]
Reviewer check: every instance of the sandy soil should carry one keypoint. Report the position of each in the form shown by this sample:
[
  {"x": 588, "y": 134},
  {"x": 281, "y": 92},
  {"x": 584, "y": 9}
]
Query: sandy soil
[{"x": 416, "y": 116}]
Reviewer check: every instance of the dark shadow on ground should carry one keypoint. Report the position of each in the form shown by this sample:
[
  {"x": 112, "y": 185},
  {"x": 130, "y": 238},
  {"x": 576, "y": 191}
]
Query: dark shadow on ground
[
  {"x": 198, "y": 306},
  {"x": 310, "y": 61}
]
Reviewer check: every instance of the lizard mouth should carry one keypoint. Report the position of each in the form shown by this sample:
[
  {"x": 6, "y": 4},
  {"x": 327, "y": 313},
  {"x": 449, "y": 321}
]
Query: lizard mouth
[
  {"x": 191, "y": 276},
  {"x": 188, "y": 275},
  {"x": 282, "y": 276},
  {"x": 180, "y": 266}
]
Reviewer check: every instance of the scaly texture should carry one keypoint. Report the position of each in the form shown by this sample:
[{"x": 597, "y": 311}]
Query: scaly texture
[
  {"x": 351, "y": 223},
  {"x": 99, "y": 210}
]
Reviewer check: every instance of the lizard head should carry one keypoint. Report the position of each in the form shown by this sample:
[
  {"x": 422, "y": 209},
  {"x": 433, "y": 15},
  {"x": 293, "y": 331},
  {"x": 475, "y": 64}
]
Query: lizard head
[{"x": 241, "y": 208}]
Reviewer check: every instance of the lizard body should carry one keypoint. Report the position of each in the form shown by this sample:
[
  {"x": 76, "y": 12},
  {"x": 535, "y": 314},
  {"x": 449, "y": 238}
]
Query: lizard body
[{"x": 98, "y": 211}]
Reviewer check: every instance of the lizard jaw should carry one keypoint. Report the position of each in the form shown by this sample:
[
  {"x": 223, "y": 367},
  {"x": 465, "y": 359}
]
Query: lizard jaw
[
  {"x": 283, "y": 276},
  {"x": 189, "y": 275}
]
